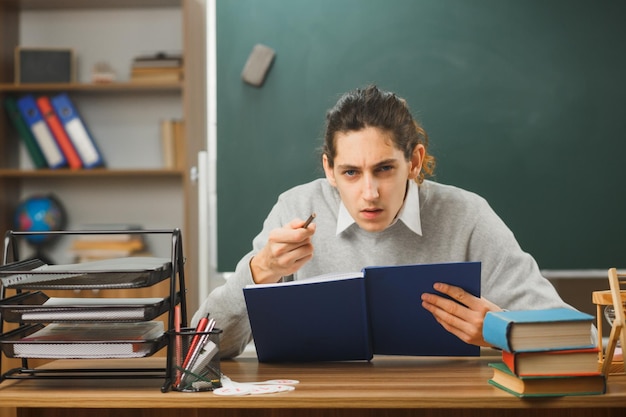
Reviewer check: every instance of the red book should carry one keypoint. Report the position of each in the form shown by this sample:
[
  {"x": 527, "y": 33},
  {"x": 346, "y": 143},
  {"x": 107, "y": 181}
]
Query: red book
[
  {"x": 566, "y": 362},
  {"x": 58, "y": 131}
]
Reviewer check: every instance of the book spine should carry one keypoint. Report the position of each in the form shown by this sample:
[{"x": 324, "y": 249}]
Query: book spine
[
  {"x": 167, "y": 144},
  {"x": 510, "y": 360},
  {"x": 37, "y": 125},
  {"x": 64, "y": 142},
  {"x": 77, "y": 131},
  {"x": 496, "y": 331},
  {"x": 38, "y": 159},
  {"x": 179, "y": 141}
]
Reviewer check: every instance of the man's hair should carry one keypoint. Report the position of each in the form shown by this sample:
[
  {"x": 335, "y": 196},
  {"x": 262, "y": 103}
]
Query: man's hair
[{"x": 372, "y": 107}]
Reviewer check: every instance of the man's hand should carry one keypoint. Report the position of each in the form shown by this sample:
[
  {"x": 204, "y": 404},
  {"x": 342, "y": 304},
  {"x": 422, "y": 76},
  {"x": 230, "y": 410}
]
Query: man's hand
[
  {"x": 287, "y": 249},
  {"x": 464, "y": 320}
]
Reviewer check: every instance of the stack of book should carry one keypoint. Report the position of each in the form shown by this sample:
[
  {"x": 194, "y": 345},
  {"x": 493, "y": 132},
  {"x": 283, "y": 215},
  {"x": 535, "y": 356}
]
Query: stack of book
[
  {"x": 157, "y": 68},
  {"x": 53, "y": 132},
  {"x": 544, "y": 353},
  {"x": 94, "y": 247}
]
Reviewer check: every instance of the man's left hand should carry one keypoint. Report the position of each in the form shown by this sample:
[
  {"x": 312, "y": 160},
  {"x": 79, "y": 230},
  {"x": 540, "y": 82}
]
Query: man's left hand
[{"x": 464, "y": 320}]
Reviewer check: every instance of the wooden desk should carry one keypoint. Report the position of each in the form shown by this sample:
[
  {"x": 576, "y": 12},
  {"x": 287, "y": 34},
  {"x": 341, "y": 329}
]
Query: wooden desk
[{"x": 388, "y": 386}]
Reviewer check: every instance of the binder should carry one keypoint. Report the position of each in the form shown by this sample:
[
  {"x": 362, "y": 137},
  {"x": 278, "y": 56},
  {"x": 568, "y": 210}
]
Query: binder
[
  {"x": 40, "y": 130},
  {"x": 58, "y": 131},
  {"x": 36, "y": 156},
  {"x": 81, "y": 137}
]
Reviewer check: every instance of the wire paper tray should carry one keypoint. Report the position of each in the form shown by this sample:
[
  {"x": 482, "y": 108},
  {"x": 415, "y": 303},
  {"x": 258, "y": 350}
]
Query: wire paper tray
[
  {"x": 90, "y": 328},
  {"x": 37, "y": 307},
  {"x": 119, "y": 273},
  {"x": 14, "y": 345}
]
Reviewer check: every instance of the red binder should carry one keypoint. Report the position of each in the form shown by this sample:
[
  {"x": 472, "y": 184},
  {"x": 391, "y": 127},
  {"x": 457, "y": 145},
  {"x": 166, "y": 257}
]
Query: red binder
[{"x": 59, "y": 133}]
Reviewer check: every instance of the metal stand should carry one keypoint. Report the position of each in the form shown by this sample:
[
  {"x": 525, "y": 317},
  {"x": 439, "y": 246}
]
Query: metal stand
[{"x": 177, "y": 293}]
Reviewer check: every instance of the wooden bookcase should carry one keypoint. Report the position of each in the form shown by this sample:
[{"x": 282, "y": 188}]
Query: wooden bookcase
[
  {"x": 124, "y": 189},
  {"x": 18, "y": 178}
]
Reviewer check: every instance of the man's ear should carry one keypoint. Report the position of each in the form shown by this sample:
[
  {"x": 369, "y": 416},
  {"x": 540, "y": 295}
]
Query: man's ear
[
  {"x": 328, "y": 170},
  {"x": 417, "y": 159}
]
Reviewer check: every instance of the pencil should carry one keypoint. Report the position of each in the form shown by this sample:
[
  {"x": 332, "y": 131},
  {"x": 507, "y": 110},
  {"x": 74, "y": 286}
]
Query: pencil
[
  {"x": 308, "y": 221},
  {"x": 178, "y": 346}
]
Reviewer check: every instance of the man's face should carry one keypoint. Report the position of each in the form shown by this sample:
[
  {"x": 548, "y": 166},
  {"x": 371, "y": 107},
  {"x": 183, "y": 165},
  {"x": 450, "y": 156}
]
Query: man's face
[{"x": 371, "y": 174}]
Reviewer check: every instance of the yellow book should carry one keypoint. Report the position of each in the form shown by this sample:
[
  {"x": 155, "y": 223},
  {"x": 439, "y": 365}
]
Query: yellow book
[{"x": 128, "y": 245}]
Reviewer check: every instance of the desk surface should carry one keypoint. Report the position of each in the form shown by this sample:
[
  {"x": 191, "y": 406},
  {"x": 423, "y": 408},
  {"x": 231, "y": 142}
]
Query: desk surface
[{"x": 385, "y": 383}]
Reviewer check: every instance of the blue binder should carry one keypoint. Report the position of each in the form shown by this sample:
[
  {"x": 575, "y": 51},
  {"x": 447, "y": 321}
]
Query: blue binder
[
  {"x": 81, "y": 137},
  {"x": 33, "y": 118},
  {"x": 26, "y": 135}
]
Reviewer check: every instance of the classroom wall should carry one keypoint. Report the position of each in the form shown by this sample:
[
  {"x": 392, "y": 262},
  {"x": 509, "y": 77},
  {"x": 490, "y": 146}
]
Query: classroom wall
[{"x": 524, "y": 102}]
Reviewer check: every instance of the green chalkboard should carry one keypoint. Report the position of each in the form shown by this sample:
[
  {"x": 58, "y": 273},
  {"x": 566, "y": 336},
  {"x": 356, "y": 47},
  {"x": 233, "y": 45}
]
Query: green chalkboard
[{"x": 524, "y": 102}]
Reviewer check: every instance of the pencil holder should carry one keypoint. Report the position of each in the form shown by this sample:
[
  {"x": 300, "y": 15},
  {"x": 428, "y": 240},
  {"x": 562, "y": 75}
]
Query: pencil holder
[{"x": 196, "y": 361}]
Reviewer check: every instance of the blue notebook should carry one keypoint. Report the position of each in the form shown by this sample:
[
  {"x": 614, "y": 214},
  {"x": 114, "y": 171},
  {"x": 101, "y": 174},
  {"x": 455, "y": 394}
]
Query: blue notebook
[{"x": 352, "y": 316}]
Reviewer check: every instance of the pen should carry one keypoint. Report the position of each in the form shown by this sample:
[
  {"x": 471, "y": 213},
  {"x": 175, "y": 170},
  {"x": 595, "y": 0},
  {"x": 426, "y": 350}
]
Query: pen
[
  {"x": 192, "y": 346},
  {"x": 308, "y": 221}
]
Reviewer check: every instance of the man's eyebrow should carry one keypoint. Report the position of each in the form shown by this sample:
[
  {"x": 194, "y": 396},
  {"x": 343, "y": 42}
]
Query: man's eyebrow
[
  {"x": 390, "y": 161},
  {"x": 347, "y": 167}
]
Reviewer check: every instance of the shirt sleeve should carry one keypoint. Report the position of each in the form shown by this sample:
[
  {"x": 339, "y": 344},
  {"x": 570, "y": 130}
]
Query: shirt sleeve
[
  {"x": 226, "y": 303},
  {"x": 511, "y": 278}
]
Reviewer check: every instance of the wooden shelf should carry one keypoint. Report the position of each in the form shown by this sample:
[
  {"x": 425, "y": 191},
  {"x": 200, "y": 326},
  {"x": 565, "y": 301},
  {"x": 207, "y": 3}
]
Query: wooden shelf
[
  {"x": 89, "y": 173},
  {"x": 93, "y": 4},
  {"x": 91, "y": 87}
]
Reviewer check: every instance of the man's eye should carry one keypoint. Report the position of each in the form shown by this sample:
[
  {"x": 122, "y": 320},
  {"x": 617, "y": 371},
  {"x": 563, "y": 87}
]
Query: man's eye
[{"x": 350, "y": 173}]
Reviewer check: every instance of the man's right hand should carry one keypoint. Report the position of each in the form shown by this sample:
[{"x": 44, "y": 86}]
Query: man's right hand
[{"x": 286, "y": 250}]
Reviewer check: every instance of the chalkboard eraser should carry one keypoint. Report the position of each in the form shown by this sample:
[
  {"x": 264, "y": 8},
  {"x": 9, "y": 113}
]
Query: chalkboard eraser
[{"x": 258, "y": 65}]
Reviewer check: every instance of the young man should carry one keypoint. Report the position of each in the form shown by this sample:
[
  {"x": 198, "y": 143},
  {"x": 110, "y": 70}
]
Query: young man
[{"x": 375, "y": 207}]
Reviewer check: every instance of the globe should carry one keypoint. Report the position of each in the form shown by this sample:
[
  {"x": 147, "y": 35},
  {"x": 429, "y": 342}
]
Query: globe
[{"x": 40, "y": 213}]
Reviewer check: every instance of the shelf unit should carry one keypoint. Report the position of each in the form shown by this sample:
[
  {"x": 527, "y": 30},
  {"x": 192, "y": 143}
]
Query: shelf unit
[
  {"x": 147, "y": 180},
  {"x": 97, "y": 276}
]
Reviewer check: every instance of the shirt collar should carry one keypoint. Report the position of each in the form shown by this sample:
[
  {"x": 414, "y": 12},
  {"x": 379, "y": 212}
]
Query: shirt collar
[{"x": 409, "y": 213}]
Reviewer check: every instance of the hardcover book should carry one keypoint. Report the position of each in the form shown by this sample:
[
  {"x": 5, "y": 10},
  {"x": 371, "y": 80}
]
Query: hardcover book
[
  {"x": 553, "y": 362},
  {"x": 352, "y": 316},
  {"x": 546, "y": 386},
  {"x": 535, "y": 330}
]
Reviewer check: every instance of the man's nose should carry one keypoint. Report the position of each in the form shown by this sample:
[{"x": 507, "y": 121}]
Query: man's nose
[{"x": 370, "y": 188}]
